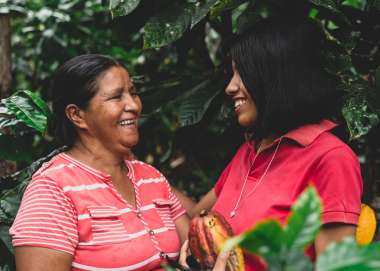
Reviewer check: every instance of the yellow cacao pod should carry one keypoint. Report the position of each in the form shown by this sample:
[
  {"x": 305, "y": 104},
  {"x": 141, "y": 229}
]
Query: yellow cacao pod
[
  {"x": 207, "y": 235},
  {"x": 367, "y": 224}
]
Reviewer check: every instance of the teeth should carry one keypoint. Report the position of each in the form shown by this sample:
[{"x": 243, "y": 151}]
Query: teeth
[
  {"x": 239, "y": 102},
  {"x": 127, "y": 122}
]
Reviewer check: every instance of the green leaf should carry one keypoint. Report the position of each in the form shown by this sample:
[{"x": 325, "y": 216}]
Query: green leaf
[
  {"x": 122, "y": 7},
  {"x": 26, "y": 110},
  {"x": 264, "y": 239},
  {"x": 194, "y": 104},
  {"x": 304, "y": 220},
  {"x": 41, "y": 104},
  {"x": 328, "y": 4},
  {"x": 168, "y": 26},
  {"x": 223, "y": 5},
  {"x": 357, "y": 111},
  {"x": 297, "y": 261},
  {"x": 349, "y": 256},
  {"x": 200, "y": 10}
]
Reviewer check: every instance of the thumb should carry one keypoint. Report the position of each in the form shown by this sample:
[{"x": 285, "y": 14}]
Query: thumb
[{"x": 221, "y": 261}]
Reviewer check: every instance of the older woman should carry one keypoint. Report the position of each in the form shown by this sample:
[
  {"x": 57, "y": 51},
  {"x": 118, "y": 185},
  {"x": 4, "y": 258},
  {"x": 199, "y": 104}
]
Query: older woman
[{"x": 89, "y": 208}]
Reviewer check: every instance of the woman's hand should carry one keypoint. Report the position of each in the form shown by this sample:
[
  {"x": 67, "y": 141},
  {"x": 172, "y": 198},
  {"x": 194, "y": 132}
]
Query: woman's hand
[{"x": 220, "y": 264}]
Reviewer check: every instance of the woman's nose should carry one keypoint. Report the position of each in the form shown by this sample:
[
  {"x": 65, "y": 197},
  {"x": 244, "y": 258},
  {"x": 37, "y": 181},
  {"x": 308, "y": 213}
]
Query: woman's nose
[
  {"x": 132, "y": 104},
  {"x": 232, "y": 87}
]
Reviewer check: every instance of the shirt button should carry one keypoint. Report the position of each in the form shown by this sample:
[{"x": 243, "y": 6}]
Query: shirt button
[
  {"x": 139, "y": 215},
  {"x": 162, "y": 255},
  {"x": 151, "y": 232}
]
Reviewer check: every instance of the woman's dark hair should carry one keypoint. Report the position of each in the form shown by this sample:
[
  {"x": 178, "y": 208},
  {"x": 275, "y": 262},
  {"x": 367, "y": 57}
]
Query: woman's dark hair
[
  {"x": 281, "y": 64},
  {"x": 75, "y": 82}
]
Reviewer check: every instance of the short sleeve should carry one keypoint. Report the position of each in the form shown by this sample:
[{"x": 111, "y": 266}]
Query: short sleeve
[
  {"x": 222, "y": 180},
  {"x": 339, "y": 183},
  {"x": 176, "y": 208},
  {"x": 46, "y": 218}
]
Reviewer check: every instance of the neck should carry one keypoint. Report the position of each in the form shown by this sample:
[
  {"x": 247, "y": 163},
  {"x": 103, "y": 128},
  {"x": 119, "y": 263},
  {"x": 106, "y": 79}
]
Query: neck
[
  {"x": 264, "y": 143},
  {"x": 97, "y": 157}
]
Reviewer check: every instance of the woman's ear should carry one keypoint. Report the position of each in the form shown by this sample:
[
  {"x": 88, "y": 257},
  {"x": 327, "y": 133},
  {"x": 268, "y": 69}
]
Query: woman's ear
[{"x": 76, "y": 116}]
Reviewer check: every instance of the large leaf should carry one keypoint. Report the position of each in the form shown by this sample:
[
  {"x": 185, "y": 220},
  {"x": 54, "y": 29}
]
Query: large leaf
[
  {"x": 168, "y": 26},
  {"x": 264, "y": 239},
  {"x": 304, "y": 221},
  {"x": 122, "y": 7},
  {"x": 28, "y": 109},
  {"x": 349, "y": 256},
  {"x": 194, "y": 105}
]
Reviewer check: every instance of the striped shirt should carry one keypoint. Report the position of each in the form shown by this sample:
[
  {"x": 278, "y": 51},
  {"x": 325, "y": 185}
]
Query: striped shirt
[{"x": 71, "y": 207}]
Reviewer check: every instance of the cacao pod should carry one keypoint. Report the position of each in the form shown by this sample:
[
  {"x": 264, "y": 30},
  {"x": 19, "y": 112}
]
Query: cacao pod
[
  {"x": 208, "y": 232},
  {"x": 367, "y": 224}
]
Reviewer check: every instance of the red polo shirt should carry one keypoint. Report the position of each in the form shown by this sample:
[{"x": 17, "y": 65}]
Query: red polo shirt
[{"x": 306, "y": 155}]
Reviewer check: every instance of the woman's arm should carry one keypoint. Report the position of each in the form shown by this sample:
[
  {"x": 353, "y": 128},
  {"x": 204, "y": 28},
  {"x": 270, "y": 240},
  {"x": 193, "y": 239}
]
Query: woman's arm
[
  {"x": 332, "y": 232},
  {"x": 192, "y": 208},
  {"x": 182, "y": 226},
  {"x": 41, "y": 259}
]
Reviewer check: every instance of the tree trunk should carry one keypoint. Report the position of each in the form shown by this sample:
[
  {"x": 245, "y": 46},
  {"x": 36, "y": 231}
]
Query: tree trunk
[
  {"x": 5, "y": 55},
  {"x": 6, "y": 167}
]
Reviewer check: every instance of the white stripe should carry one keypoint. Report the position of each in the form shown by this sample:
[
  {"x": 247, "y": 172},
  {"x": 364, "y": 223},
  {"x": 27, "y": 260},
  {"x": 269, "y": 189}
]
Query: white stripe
[
  {"x": 38, "y": 237},
  {"x": 42, "y": 234},
  {"x": 60, "y": 166},
  {"x": 67, "y": 249},
  {"x": 125, "y": 268},
  {"x": 84, "y": 187},
  {"x": 51, "y": 215},
  {"x": 122, "y": 211},
  {"x": 150, "y": 180},
  {"x": 39, "y": 223},
  {"x": 130, "y": 236}
]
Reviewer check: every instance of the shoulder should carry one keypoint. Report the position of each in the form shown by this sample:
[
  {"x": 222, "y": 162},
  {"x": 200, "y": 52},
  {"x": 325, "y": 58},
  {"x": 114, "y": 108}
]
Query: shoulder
[
  {"x": 329, "y": 146},
  {"x": 58, "y": 170}
]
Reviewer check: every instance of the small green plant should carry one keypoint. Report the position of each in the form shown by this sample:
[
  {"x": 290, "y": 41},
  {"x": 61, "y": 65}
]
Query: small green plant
[{"x": 282, "y": 247}]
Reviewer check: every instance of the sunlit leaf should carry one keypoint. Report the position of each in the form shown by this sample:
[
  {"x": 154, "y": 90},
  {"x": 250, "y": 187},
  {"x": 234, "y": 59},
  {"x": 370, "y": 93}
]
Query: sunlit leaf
[
  {"x": 304, "y": 221},
  {"x": 349, "y": 256},
  {"x": 264, "y": 239},
  {"x": 26, "y": 110},
  {"x": 122, "y": 7},
  {"x": 41, "y": 104}
]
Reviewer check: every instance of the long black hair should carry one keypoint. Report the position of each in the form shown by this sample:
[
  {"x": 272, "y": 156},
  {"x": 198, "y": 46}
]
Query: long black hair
[{"x": 281, "y": 64}]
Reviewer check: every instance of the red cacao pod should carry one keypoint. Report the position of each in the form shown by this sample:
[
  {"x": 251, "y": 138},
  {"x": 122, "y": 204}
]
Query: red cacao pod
[{"x": 207, "y": 235}]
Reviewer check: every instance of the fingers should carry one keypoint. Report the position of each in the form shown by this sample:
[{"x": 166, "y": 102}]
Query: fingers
[
  {"x": 183, "y": 254},
  {"x": 221, "y": 261}
]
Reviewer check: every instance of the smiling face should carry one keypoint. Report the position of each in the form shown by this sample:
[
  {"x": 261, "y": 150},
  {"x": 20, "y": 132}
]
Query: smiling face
[
  {"x": 245, "y": 107},
  {"x": 112, "y": 115}
]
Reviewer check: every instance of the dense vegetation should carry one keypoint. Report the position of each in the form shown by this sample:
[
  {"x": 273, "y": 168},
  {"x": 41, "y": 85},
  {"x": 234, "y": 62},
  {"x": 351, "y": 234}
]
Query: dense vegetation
[{"x": 177, "y": 52}]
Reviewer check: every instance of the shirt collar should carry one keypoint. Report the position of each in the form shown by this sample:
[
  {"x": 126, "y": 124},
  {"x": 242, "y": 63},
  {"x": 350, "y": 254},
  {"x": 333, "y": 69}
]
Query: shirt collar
[{"x": 305, "y": 135}]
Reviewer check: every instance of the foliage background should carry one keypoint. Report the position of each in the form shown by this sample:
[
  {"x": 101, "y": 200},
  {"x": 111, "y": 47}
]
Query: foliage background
[{"x": 177, "y": 51}]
